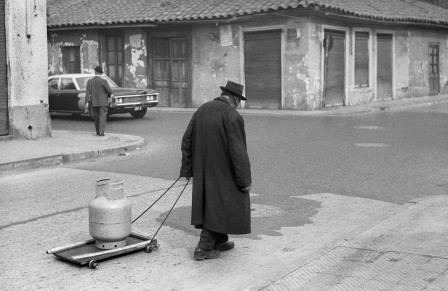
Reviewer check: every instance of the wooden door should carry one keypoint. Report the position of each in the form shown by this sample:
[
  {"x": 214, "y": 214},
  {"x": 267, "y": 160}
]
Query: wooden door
[
  {"x": 170, "y": 71},
  {"x": 262, "y": 69},
  {"x": 384, "y": 67},
  {"x": 115, "y": 58},
  {"x": 71, "y": 60},
  {"x": 334, "y": 66},
  {"x": 4, "y": 125},
  {"x": 434, "y": 67}
]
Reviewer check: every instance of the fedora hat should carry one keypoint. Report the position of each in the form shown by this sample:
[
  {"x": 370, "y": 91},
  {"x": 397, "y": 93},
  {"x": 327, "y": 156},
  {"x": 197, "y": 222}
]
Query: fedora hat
[
  {"x": 99, "y": 69},
  {"x": 234, "y": 89}
]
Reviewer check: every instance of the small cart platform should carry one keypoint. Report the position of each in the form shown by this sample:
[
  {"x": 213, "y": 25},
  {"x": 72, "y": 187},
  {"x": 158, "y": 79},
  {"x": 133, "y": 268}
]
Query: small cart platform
[{"x": 86, "y": 253}]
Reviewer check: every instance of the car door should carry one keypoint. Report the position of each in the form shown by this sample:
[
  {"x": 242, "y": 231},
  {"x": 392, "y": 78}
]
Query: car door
[
  {"x": 68, "y": 99},
  {"x": 53, "y": 93}
]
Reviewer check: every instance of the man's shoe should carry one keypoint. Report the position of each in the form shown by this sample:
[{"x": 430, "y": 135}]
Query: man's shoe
[
  {"x": 225, "y": 246},
  {"x": 201, "y": 254},
  {"x": 101, "y": 134}
]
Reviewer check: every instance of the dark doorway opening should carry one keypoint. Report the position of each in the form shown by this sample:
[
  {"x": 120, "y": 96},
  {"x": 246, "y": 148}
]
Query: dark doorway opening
[
  {"x": 434, "y": 67},
  {"x": 4, "y": 124},
  {"x": 334, "y": 68},
  {"x": 171, "y": 57},
  {"x": 384, "y": 67},
  {"x": 115, "y": 58},
  {"x": 262, "y": 68}
]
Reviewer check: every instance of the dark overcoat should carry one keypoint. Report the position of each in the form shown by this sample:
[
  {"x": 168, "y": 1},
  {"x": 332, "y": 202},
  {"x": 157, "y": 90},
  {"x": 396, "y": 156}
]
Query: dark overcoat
[
  {"x": 214, "y": 153},
  {"x": 97, "y": 92}
]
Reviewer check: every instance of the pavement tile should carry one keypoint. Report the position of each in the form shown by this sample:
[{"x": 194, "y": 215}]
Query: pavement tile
[{"x": 377, "y": 285}]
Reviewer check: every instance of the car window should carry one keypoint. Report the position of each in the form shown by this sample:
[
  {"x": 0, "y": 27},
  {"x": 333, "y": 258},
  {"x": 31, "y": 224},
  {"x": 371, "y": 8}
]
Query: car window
[
  {"x": 53, "y": 84},
  {"x": 67, "y": 84},
  {"x": 110, "y": 82},
  {"x": 82, "y": 82}
]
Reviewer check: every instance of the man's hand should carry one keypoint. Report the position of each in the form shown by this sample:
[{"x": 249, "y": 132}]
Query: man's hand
[
  {"x": 247, "y": 188},
  {"x": 86, "y": 109}
]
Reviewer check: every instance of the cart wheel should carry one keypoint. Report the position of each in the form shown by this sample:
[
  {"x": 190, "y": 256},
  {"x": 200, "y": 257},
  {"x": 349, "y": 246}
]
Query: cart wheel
[
  {"x": 149, "y": 249},
  {"x": 93, "y": 264}
]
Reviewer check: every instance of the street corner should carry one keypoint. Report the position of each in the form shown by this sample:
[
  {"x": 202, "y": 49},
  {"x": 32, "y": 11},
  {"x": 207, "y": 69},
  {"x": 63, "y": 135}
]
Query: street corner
[
  {"x": 419, "y": 227},
  {"x": 375, "y": 246},
  {"x": 83, "y": 136}
]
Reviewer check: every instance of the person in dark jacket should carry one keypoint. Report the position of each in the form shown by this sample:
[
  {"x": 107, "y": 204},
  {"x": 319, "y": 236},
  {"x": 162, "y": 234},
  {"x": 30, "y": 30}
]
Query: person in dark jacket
[
  {"x": 214, "y": 153},
  {"x": 97, "y": 95}
]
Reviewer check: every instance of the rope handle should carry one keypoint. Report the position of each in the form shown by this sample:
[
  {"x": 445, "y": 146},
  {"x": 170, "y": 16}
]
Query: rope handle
[
  {"x": 170, "y": 209},
  {"x": 157, "y": 200}
]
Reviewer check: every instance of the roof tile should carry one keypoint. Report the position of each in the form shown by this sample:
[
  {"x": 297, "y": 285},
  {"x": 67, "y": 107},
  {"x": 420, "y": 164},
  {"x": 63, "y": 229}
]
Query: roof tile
[{"x": 94, "y": 12}]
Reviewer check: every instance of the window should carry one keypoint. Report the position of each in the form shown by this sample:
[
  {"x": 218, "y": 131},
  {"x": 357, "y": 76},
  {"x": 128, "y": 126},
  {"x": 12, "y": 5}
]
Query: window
[
  {"x": 67, "y": 84},
  {"x": 71, "y": 60},
  {"x": 114, "y": 58},
  {"x": 82, "y": 82},
  {"x": 361, "y": 59},
  {"x": 53, "y": 84},
  {"x": 434, "y": 68}
]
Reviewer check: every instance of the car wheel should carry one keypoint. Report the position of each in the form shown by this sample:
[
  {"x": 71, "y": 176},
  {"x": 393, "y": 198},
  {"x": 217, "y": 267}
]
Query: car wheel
[{"x": 139, "y": 113}]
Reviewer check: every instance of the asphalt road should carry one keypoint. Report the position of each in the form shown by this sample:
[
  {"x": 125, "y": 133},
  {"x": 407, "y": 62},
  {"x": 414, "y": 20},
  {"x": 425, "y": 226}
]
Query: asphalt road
[{"x": 388, "y": 156}]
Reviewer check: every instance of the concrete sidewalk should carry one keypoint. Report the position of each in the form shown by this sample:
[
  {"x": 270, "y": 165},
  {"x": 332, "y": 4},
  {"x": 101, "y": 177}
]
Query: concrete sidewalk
[
  {"x": 63, "y": 147},
  {"x": 349, "y": 243}
]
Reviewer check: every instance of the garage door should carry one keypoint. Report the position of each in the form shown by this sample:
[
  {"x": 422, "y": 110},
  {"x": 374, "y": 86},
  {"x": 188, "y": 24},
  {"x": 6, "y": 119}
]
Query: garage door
[
  {"x": 3, "y": 82},
  {"x": 262, "y": 68}
]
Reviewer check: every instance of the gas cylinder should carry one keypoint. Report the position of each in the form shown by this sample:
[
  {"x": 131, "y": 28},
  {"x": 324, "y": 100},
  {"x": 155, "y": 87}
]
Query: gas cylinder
[{"x": 109, "y": 215}]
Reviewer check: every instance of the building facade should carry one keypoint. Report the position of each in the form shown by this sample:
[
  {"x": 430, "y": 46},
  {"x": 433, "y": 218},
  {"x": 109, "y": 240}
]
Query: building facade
[
  {"x": 299, "y": 57},
  {"x": 23, "y": 70}
]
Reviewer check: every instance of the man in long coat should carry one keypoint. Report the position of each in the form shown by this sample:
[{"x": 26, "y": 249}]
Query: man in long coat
[
  {"x": 214, "y": 153},
  {"x": 97, "y": 97}
]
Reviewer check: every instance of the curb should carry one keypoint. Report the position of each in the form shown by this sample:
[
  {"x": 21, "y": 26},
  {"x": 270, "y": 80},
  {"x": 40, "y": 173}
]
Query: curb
[
  {"x": 388, "y": 105},
  {"x": 65, "y": 158}
]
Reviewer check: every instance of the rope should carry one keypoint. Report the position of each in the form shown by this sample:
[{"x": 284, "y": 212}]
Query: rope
[
  {"x": 170, "y": 210},
  {"x": 157, "y": 200}
]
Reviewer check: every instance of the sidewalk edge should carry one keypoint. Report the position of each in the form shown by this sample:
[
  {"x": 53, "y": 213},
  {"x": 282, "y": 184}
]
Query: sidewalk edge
[{"x": 66, "y": 158}]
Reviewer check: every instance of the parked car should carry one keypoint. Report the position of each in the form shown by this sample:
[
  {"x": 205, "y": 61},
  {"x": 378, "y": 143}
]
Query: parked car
[{"x": 67, "y": 94}]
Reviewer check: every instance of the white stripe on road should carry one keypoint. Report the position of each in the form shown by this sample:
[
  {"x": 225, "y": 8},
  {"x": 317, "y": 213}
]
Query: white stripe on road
[{"x": 372, "y": 145}]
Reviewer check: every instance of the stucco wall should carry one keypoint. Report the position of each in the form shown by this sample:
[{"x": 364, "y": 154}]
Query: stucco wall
[
  {"x": 401, "y": 64},
  {"x": 419, "y": 59},
  {"x": 213, "y": 64},
  {"x": 301, "y": 75},
  {"x": 410, "y": 57},
  {"x": 88, "y": 42},
  {"x": 135, "y": 59},
  {"x": 26, "y": 41}
]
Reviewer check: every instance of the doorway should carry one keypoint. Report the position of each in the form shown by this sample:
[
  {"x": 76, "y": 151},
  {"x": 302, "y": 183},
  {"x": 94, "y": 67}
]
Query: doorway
[
  {"x": 171, "y": 57},
  {"x": 384, "y": 69},
  {"x": 334, "y": 68},
  {"x": 434, "y": 66},
  {"x": 115, "y": 58},
  {"x": 4, "y": 125},
  {"x": 262, "y": 68}
]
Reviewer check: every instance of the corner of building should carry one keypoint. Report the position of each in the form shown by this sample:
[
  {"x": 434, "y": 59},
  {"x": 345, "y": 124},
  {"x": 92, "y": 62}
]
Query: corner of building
[{"x": 27, "y": 69}]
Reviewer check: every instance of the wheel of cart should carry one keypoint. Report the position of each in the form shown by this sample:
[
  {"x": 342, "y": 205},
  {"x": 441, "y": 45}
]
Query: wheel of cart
[{"x": 93, "y": 264}]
